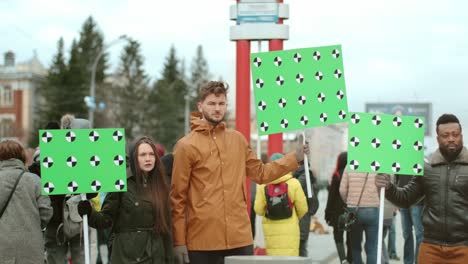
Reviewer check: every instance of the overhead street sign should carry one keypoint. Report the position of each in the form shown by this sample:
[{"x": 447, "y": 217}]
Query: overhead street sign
[{"x": 257, "y": 12}]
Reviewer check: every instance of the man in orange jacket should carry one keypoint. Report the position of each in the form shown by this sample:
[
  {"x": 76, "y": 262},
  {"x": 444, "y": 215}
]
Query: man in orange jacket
[{"x": 208, "y": 192}]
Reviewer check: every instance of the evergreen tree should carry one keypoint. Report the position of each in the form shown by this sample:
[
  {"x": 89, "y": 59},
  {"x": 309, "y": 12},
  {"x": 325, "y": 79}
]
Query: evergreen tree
[
  {"x": 68, "y": 82},
  {"x": 200, "y": 75},
  {"x": 74, "y": 88},
  {"x": 132, "y": 90},
  {"x": 91, "y": 44},
  {"x": 52, "y": 102},
  {"x": 167, "y": 103},
  {"x": 82, "y": 56}
]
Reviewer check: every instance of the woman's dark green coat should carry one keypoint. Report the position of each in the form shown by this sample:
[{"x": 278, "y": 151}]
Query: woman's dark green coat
[{"x": 132, "y": 215}]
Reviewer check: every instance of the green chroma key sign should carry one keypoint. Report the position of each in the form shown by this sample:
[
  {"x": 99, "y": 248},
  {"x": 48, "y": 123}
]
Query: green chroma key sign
[
  {"x": 386, "y": 144},
  {"x": 83, "y": 161},
  {"x": 297, "y": 89}
]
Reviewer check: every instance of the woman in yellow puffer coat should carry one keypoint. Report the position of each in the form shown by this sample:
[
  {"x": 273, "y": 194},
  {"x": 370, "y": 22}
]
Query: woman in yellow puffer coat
[{"x": 282, "y": 236}]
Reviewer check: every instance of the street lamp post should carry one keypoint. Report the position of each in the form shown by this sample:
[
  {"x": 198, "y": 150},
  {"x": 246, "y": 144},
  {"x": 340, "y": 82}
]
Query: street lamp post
[
  {"x": 187, "y": 114},
  {"x": 92, "y": 87}
]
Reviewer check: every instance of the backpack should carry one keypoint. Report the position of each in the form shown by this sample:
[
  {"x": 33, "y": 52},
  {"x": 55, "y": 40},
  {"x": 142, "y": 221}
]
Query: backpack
[
  {"x": 278, "y": 204},
  {"x": 72, "y": 221}
]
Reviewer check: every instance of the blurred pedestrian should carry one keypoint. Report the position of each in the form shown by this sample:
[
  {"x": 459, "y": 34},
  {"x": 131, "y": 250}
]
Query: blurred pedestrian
[
  {"x": 392, "y": 253},
  {"x": 24, "y": 212},
  {"x": 168, "y": 163},
  {"x": 282, "y": 234},
  {"x": 388, "y": 213},
  {"x": 411, "y": 219},
  {"x": 58, "y": 243},
  {"x": 312, "y": 205},
  {"x": 160, "y": 150},
  {"x": 335, "y": 207},
  {"x": 359, "y": 193}
]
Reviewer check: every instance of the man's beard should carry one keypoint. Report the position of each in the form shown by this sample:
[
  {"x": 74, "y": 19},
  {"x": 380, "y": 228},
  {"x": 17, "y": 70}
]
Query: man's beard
[
  {"x": 211, "y": 120},
  {"x": 450, "y": 155}
]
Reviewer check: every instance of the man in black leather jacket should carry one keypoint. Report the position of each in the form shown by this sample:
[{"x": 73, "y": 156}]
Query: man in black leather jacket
[{"x": 444, "y": 188}]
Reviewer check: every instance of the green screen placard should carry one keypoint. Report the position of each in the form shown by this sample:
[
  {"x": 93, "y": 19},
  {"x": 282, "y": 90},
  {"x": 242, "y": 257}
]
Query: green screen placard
[
  {"x": 386, "y": 144},
  {"x": 83, "y": 161},
  {"x": 300, "y": 88}
]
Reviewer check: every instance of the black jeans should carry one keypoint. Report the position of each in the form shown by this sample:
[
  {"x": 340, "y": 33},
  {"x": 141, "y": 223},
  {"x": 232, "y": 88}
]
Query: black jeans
[
  {"x": 338, "y": 237},
  {"x": 217, "y": 256}
]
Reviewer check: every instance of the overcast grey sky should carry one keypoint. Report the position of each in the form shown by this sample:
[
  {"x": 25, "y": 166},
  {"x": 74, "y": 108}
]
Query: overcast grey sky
[{"x": 396, "y": 50}]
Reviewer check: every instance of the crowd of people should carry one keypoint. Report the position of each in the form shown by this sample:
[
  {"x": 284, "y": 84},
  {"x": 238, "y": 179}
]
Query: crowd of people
[{"x": 190, "y": 206}]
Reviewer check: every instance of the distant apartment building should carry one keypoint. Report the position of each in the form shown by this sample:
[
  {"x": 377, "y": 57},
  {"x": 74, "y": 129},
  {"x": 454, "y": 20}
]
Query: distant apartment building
[{"x": 18, "y": 84}]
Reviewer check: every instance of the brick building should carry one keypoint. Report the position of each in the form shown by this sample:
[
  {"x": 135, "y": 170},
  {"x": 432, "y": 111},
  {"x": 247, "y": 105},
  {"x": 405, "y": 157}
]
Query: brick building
[{"x": 18, "y": 83}]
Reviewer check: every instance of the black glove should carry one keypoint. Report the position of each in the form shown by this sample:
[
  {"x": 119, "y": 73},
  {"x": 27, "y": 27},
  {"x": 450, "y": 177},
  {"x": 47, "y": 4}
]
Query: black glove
[{"x": 84, "y": 208}]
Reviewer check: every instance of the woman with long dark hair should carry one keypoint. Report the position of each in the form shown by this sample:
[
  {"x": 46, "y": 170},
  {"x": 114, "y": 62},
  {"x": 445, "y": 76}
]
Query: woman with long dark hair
[
  {"x": 140, "y": 217},
  {"x": 335, "y": 207}
]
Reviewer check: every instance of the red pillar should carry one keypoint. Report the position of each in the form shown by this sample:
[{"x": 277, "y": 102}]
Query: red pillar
[
  {"x": 243, "y": 88},
  {"x": 243, "y": 97},
  {"x": 275, "y": 141}
]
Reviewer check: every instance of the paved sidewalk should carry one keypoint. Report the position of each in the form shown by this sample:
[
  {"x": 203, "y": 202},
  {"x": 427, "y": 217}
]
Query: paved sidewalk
[{"x": 322, "y": 247}]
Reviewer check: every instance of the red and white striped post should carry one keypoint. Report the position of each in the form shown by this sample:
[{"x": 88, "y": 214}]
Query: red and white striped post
[{"x": 243, "y": 34}]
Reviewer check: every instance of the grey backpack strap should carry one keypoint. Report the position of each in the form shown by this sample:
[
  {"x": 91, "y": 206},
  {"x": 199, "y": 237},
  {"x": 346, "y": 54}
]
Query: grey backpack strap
[{"x": 11, "y": 193}]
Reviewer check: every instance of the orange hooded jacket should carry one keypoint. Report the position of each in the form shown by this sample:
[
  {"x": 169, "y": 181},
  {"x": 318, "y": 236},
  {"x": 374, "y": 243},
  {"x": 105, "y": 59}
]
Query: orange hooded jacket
[{"x": 208, "y": 191}]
